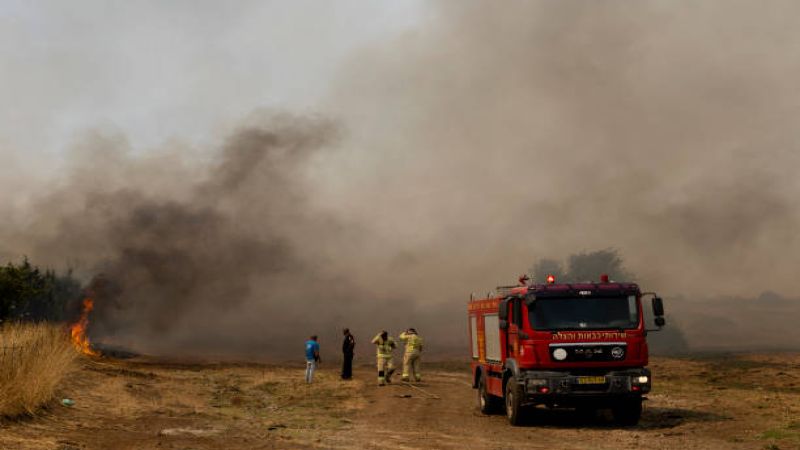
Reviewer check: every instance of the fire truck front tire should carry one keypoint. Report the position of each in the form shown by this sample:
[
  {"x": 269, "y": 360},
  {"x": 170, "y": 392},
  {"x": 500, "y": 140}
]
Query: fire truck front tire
[
  {"x": 627, "y": 411},
  {"x": 513, "y": 400},
  {"x": 487, "y": 403}
]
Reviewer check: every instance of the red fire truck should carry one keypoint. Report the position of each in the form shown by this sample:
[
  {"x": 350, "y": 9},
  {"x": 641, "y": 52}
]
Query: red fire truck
[{"x": 573, "y": 345}]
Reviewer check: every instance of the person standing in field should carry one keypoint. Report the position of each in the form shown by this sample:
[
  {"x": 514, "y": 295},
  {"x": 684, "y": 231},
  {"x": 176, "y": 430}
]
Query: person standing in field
[
  {"x": 312, "y": 358},
  {"x": 411, "y": 357},
  {"x": 385, "y": 346},
  {"x": 348, "y": 350}
]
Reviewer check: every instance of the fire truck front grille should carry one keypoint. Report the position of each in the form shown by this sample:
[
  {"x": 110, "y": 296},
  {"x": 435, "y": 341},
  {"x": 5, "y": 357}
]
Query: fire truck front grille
[{"x": 569, "y": 352}]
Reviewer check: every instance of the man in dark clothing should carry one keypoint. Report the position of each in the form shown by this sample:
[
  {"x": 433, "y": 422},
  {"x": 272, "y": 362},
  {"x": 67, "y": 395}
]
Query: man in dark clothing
[{"x": 348, "y": 348}]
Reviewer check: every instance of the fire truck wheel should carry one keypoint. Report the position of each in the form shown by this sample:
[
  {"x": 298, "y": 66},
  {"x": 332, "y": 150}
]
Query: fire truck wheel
[
  {"x": 486, "y": 401},
  {"x": 627, "y": 411},
  {"x": 514, "y": 410}
]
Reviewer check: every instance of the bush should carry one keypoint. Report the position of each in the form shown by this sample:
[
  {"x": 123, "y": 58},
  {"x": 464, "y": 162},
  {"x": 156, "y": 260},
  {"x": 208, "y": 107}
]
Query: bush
[
  {"x": 34, "y": 358},
  {"x": 29, "y": 293},
  {"x": 583, "y": 267}
]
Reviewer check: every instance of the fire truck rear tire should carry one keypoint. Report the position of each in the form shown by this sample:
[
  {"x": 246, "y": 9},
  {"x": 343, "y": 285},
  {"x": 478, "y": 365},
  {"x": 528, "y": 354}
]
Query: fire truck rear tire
[
  {"x": 513, "y": 401},
  {"x": 627, "y": 411},
  {"x": 487, "y": 403}
]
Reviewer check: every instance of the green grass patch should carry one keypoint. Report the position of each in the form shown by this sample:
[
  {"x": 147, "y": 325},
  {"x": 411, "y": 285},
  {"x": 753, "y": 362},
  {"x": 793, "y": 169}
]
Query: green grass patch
[{"x": 778, "y": 434}]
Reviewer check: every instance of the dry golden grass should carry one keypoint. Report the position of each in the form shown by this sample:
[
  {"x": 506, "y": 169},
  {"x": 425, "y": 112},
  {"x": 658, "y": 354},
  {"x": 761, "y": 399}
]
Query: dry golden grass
[{"x": 34, "y": 358}]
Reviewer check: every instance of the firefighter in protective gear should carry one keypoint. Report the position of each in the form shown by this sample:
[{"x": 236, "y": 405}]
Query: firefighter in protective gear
[
  {"x": 385, "y": 345},
  {"x": 411, "y": 358}
]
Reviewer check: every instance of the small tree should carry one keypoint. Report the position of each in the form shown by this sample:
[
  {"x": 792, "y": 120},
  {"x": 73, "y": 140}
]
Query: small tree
[
  {"x": 51, "y": 303},
  {"x": 19, "y": 283},
  {"x": 544, "y": 267},
  {"x": 588, "y": 266},
  {"x": 27, "y": 293},
  {"x": 584, "y": 266}
]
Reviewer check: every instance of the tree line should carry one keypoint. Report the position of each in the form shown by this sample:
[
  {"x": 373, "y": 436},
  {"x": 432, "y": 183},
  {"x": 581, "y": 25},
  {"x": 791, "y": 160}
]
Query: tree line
[{"x": 28, "y": 293}]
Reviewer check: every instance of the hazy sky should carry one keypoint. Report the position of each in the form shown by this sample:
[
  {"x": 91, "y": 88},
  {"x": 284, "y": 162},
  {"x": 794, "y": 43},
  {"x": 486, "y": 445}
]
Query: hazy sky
[{"x": 155, "y": 70}]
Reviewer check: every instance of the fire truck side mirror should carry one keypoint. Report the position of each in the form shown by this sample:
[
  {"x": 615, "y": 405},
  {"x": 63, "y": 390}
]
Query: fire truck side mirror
[
  {"x": 660, "y": 322},
  {"x": 658, "y": 307}
]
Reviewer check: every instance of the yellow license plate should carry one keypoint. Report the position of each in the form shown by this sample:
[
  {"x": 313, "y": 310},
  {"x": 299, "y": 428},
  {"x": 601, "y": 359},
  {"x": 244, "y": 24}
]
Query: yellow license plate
[{"x": 591, "y": 380}]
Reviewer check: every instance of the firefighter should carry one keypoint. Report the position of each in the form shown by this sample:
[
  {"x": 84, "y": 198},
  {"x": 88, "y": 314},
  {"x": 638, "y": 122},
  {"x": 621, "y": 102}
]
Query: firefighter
[
  {"x": 411, "y": 357},
  {"x": 385, "y": 345}
]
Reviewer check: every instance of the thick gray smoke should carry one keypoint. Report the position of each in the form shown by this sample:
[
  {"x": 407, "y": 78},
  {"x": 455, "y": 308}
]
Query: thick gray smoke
[
  {"x": 184, "y": 255},
  {"x": 483, "y": 140},
  {"x": 663, "y": 129},
  {"x": 226, "y": 257}
]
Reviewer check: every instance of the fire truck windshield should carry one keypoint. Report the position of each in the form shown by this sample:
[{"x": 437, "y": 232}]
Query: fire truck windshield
[{"x": 587, "y": 313}]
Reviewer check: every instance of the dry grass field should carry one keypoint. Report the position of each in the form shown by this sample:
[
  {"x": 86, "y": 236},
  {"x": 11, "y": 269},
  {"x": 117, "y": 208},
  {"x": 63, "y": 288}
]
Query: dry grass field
[
  {"x": 34, "y": 359},
  {"x": 714, "y": 402}
]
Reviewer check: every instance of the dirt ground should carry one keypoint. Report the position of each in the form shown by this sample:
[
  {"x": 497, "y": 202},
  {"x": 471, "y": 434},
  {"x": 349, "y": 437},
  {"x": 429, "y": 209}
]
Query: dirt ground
[{"x": 715, "y": 402}]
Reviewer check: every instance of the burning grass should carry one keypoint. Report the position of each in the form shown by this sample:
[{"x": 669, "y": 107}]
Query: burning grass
[
  {"x": 34, "y": 358},
  {"x": 77, "y": 330}
]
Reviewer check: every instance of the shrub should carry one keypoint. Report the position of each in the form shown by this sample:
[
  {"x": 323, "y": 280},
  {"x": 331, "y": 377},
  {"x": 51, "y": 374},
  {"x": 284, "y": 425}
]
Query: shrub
[
  {"x": 29, "y": 293},
  {"x": 34, "y": 358},
  {"x": 583, "y": 267}
]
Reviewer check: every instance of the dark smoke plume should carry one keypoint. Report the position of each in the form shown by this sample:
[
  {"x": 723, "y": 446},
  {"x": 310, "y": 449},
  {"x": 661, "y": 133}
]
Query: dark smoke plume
[
  {"x": 179, "y": 266},
  {"x": 227, "y": 258}
]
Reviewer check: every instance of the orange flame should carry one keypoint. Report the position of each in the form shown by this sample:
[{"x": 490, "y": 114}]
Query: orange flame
[{"x": 78, "y": 330}]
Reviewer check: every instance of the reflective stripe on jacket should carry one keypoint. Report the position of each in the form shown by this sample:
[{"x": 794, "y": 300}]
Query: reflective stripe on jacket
[
  {"x": 384, "y": 347},
  {"x": 413, "y": 342}
]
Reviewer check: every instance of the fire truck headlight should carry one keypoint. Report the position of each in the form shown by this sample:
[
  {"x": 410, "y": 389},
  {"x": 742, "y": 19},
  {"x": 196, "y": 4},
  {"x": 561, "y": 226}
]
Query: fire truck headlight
[
  {"x": 641, "y": 379},
  {"x": 560, "y": 354}
]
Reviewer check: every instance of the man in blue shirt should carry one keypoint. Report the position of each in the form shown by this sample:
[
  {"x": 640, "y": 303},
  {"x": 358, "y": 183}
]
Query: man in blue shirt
[{"x": 312, "y": 358}]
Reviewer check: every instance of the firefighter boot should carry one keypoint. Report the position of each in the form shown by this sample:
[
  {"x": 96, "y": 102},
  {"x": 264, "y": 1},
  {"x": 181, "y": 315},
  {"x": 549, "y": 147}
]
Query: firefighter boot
[{"x": 389, "y": 375}]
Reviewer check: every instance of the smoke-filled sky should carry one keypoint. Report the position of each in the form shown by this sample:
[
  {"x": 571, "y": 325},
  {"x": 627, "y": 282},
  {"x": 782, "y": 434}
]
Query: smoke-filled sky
[
  {"x": 287, "y": 166},
  {"x": 171, "y": 70}
]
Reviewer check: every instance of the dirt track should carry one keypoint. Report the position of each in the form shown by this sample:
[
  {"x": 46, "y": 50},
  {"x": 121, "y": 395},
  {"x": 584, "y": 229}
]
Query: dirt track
[{"x": 718, "y": 403}]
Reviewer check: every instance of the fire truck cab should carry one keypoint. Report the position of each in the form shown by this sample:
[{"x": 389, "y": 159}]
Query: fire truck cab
[{"x": 573, "y": 345}]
